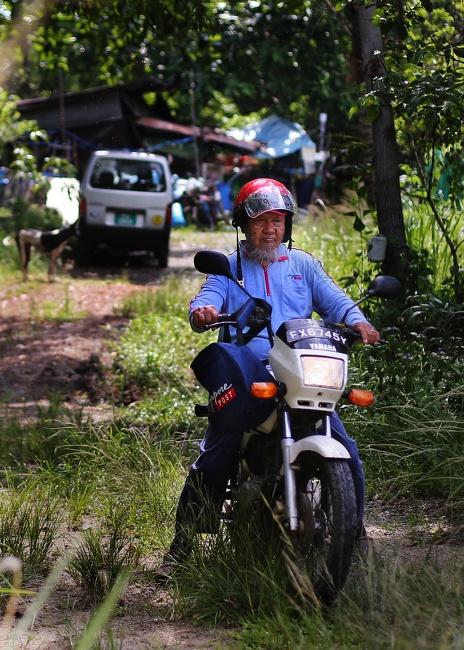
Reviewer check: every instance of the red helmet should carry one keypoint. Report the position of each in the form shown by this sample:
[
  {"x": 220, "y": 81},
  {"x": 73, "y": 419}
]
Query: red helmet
[{"x": 263, "y": 195}]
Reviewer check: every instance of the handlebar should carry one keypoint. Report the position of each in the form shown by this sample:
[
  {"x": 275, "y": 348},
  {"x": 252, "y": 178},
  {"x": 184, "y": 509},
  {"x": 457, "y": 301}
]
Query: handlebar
[
  {"x": 223, "y": 319},
  {"x": 248, "y": 320},
  {"x": 357, "y": 336},
  {"x": 353, "y": 337}
]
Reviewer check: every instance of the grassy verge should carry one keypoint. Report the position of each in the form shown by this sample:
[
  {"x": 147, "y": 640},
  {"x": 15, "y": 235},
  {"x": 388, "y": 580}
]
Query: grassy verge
[
  {"x": 124, "y": 476},
  {"x": 9, "y": 259},
  {"x": 154, "y": 357},
  {"x": 387, "y": 603}
]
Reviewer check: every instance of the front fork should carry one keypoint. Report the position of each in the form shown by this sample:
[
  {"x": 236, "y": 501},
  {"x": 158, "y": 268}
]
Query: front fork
[{"x": 289, "y": 473}]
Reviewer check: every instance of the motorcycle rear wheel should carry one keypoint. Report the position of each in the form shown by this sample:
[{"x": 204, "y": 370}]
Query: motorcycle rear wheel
[{"x": 324, "y": 544}]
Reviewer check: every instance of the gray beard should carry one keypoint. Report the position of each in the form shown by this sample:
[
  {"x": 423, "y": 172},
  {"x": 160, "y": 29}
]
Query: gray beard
[{"x": 261, "y": 255}]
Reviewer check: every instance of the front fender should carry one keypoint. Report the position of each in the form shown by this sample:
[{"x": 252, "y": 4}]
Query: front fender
[{"x": 322, "y": 445}]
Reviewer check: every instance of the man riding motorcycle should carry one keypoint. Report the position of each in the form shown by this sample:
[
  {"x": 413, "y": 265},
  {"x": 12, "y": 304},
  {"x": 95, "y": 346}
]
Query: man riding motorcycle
[{"x": 295, "y": 284}]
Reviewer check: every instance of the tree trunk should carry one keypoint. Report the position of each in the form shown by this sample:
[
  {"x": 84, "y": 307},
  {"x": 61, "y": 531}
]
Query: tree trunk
[{"x": 385, "y": 154}]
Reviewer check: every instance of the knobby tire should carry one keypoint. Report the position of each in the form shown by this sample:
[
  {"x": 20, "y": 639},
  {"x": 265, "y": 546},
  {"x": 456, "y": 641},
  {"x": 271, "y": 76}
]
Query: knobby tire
[{"x": 323, "y": 548}]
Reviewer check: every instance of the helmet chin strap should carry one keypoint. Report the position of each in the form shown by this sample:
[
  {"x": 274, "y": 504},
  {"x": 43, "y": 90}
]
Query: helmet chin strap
[
  {"x": 290, "y": 228},
  {"x": 239, "y": 261}
]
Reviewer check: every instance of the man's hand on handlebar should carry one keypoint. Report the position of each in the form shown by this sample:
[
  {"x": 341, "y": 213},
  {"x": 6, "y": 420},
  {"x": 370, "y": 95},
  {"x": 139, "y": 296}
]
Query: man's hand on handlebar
[
  {"x": 204, "y": 316},
  {"x": 369, "y": 334}
]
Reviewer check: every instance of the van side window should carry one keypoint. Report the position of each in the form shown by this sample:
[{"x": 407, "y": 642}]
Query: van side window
[{"x": 128, "y": 175}]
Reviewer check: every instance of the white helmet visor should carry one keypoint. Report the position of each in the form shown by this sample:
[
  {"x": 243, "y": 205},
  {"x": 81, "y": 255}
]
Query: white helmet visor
[{"x": 268, "y": 199}]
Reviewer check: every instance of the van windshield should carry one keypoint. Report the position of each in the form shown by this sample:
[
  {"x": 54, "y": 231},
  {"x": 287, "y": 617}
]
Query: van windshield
[{"x": 129, "y": 175}]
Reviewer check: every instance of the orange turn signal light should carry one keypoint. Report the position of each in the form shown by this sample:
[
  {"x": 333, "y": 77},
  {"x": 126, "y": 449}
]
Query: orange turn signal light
[
  {"x": 361, "y": 397},
  {"x": 263, "y": 389}
]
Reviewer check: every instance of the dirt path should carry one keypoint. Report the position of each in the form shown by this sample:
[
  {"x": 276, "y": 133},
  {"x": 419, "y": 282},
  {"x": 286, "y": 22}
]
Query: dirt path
[
  {"x": 42, "y": 358},
  {"x": 54, "y": 337}
]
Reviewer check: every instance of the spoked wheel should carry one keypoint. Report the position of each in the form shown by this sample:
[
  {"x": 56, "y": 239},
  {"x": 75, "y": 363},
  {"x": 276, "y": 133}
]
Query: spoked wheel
[{"x": 324, "y": 543}]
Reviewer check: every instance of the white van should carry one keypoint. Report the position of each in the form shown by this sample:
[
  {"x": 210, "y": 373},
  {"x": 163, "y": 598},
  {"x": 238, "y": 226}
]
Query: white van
[{"x": 125, "y": 204}]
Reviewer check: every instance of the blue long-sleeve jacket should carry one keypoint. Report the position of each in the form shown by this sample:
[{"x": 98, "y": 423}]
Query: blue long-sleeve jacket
[{"x": 295, "y": 284}]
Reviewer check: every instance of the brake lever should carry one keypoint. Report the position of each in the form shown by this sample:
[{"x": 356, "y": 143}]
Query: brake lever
[
  {"x": 223, "y": 319},
  {"x": 358, "y": 338}
]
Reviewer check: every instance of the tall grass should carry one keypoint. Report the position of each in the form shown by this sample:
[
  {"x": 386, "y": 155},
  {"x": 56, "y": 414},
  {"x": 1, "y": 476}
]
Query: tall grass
[
  {"x": 394, "y": 598},
  {"x": 39, "y": 441},
  {"x": 117, "y": 467},
  {"x": 388, "y": 603},
  {"x": 238, "y": 573},
  {"x": 341, "y": 249},
  {"x": 415, "y": 450},
  {"x": 105, "y": 554},
  {"x": 412, "y": 438},
  {"x": 155, "y": 353},
  {"x": 29, "y": 527},
  {"x": 424, "y": 237}
]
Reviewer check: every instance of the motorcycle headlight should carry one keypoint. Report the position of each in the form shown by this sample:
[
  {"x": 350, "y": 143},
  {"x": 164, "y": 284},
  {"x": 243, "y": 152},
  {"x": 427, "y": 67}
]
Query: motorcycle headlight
[{"x": 323, "y": 371}]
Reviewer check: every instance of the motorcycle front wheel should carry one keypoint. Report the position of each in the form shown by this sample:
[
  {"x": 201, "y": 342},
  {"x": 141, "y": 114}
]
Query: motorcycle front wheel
[{"x": 324, "y": 543}]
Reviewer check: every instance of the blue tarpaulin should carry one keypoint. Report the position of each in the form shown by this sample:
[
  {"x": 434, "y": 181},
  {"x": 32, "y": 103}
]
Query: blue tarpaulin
[
  {"x": 280, "y": 136},
  {"x": 178, "y": 218}
]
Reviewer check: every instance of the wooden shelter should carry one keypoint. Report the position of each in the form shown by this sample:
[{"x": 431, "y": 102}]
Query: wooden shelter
[
  {"x": 118, "y": 117},
  {"x": 96, "y": 118}
]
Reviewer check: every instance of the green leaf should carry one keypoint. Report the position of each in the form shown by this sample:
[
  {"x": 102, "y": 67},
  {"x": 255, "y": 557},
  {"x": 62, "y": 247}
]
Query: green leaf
[{"x": 102, "y": 614}]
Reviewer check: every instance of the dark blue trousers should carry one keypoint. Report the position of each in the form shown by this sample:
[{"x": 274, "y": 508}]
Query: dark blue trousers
[{"x": 220, "y": 447}]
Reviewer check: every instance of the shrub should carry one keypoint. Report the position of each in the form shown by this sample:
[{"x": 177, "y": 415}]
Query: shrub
[
  {"x": 413, "y": 437},
  {"x": 30, "y": 215}
]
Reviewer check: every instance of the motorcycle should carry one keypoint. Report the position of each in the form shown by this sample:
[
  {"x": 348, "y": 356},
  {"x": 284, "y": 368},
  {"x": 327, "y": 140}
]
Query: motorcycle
[{"x": 290, "y": 465}]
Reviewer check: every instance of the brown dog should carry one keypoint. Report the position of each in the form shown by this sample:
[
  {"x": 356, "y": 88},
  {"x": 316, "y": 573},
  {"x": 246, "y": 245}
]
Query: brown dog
[{"x": 51, "y": 242}]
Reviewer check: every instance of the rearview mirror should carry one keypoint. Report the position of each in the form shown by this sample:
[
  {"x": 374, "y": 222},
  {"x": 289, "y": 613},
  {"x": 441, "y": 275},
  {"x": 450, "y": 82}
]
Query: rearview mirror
[
  {"x": 384, "y": 286},
  {"x": 213, "y": 262}
]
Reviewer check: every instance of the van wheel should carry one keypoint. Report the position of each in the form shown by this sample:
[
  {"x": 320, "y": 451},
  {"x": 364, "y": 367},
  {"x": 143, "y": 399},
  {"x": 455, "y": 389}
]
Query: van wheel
[
  {"x": 84, "y": 252},
  {"x": 163, "y": 258}
]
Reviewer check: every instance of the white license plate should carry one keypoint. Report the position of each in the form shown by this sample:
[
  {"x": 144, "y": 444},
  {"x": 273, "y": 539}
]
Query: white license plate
[{"x": 125, "y": 219}]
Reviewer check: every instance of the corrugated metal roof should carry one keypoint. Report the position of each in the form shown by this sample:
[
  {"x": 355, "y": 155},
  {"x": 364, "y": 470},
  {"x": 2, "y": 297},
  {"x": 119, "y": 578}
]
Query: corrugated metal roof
[{"x": 208, "y": 135}]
